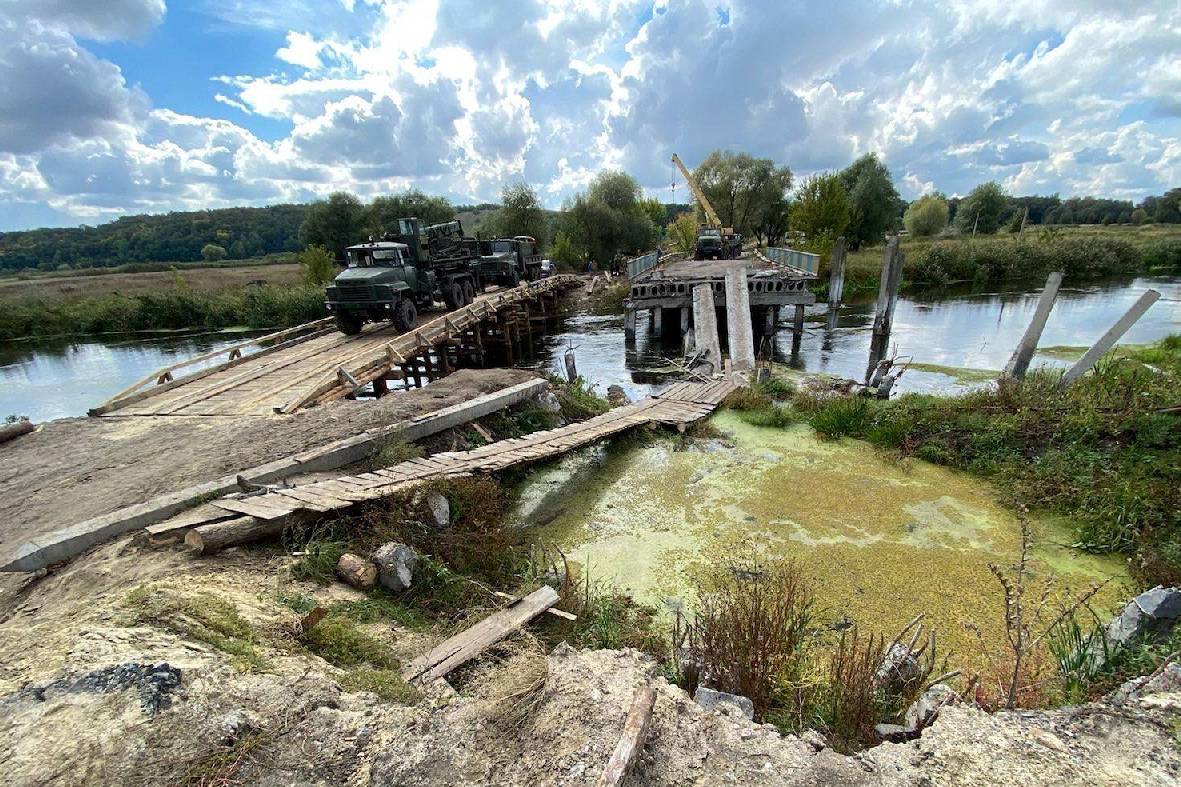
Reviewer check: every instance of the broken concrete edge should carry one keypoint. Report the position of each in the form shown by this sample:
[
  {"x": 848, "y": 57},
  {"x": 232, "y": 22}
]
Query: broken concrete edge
[{"x": 74, "y": 540}]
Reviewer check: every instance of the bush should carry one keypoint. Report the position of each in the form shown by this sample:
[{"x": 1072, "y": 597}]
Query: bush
[
  {"x": 318, "y": 266},
  {"x": 1008, "y": 259},
  {"x": 211, "y": 252},
  {"x": 926, "y": 216}
]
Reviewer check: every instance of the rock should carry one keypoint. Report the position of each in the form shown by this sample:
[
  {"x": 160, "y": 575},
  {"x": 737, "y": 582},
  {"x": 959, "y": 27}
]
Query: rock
[
  {"x": 1152, "y": 615},
  {"x": 814, "y": 739},
  {"x": 616, "y": 396},
  {"x": 897, "y": 669},
  {"x": 440, "y": 509},
  {"x": 548, "y": 402},
  {"x": 356, "y": 571},
  {"x": 236, "y": 724},
  {"x": 894, "y": 733},
  {"x": 923, "y": 711},
  {"x": 708, "y": 698},
  {"x": 395, "y": 565}
]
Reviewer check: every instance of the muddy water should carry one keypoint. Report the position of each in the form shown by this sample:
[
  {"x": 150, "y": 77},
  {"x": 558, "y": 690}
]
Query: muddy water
[{"x": 884, "y": 539}]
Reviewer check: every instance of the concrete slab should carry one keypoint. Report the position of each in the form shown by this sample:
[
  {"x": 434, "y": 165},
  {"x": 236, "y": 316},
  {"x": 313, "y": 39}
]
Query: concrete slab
[{"x": 738, "y": 320}]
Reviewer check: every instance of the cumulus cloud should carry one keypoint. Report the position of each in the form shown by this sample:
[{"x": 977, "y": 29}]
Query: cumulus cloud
[{"x": 460, "y": 97}]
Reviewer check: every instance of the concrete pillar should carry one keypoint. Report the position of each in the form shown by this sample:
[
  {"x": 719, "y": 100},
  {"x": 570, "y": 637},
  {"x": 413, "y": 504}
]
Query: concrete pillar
[
  {"x": 685, "y": 312},
  {"x": 891, "y": 280},
  {"x": 657, "y": 318},
  {"x": 1108, "y": 340},
  {"x": 705, "y": 325},
  {"x": 739, "y": 327},
  {"x": 629, "y": 326},
  {"x": 836, "y": 275},
  {"x": 1017, "y": 365},
  {"x": 797, "y": 329},
  {"x": 770, "y": 320}
]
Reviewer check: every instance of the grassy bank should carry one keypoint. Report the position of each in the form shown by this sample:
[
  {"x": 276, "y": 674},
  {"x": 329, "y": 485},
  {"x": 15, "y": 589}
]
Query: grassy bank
[
  {"x": 1080, "y": 253},
  {"x": 174, "y": 308},
  {"x": 1105, "y": 452}
]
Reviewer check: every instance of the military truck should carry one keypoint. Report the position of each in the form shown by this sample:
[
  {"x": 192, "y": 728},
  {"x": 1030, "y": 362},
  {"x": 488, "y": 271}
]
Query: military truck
[
  {"x": 391, "y": 278},
  {"x": 508, "y": 261},
  {"x": 714, "y": 244}
]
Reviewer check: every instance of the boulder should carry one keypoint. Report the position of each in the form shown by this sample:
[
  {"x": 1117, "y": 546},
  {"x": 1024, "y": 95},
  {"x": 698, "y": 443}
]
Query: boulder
[
  {"x": 616, "y": 396},
  {"x": 894, "y": 733},
  {"x": 548, "y": 402},
  {"x": 439, "y": 509},
  {"x": 395, "y": 565},
  {"x": 1152, "y": 614},
  {"x": 356, "y": 571},
  {"x": 708, "y": 698},
  {"x": 925, "y": 709}
]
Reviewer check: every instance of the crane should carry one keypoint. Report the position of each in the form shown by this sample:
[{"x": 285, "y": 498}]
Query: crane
[
  {"x": 717, "y": 241},
  {"x": 711, "y": 216}
]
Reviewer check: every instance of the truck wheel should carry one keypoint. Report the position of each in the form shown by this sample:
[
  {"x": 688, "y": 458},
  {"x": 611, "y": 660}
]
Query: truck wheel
[
  {"x": 453, "y": 295},
  {"x": 405, "y": 315},
  {"x": 349, "y": 324},
  {"x": 514, "y": 278},
  {"x": 469, "y": 292}
]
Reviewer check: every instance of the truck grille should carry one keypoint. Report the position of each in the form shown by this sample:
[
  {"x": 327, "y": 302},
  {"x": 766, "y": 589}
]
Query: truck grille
[{"x": 353, "y": 292}]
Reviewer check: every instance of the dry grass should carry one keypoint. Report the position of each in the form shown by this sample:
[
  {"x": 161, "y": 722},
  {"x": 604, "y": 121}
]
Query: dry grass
[
  {"x": 510, "y": 679},
  {"x": 195, "y": 279}
]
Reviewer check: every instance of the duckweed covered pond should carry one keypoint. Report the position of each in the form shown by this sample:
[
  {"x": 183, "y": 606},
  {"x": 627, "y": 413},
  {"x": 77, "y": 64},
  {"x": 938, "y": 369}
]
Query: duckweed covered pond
[{"x": 884, "y": 539}]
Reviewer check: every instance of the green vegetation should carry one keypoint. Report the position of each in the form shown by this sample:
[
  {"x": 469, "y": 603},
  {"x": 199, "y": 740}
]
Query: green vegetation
[
  {"x": 521, "y": 214},
  {"x": 873, "y": 199},
  {"x": 982, "y": 210},
  {"x": 393, "y": 451},
  {"x": 202, "y": 617},
  {"x": 1103, "y": 452},
  {"x": 749, "y": 194},
  {"x": 926, "y": 217},
  {"x": 682, "y": 233},
  {"x": 607, "y": 219},
  {"x": 821, "y": 211},
  {"x": 609, "y": 300},
  {"x": 317, "y": 265},
  {"x": 577, "y": 400},
  {"x": 255, "y": 307}
]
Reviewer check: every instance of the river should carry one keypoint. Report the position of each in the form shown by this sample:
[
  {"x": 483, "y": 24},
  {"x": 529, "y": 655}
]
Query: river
[{"x": 958, "y": 334}]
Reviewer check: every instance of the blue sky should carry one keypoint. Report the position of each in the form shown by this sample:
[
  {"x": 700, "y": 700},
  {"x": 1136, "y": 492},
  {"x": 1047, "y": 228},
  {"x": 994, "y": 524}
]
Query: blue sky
[{"x": 131, "y": 106}]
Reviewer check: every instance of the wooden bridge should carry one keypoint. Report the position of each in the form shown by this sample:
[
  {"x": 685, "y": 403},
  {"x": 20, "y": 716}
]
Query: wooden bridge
[
  {"x": 249, "y": 516},
  {"x": 314, "y": 363}
]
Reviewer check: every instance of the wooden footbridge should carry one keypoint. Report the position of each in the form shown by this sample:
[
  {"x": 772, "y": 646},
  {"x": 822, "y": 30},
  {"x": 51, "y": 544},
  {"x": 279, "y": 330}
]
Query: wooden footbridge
[
  {"x": 249, "y": 516},
  {"x": 314, "y": 363}
]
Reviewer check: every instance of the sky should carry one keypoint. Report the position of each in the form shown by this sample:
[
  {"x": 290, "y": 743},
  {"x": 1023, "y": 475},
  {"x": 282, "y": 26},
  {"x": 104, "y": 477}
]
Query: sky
[{"x": 142, "y": 106}]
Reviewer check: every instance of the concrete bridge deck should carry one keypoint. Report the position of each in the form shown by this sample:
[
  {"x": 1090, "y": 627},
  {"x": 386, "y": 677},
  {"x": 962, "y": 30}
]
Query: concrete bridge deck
[{"x": 315, "y": 363}]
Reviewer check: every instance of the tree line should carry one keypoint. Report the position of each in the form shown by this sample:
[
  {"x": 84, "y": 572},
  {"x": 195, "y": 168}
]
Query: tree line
[{"x": 758, "y": 197}]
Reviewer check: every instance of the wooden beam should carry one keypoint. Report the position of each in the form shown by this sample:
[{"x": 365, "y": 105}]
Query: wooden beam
[
  {"x": 207, "y": 539},
  {"x": 471, "y": 642},
  {"x": 631, "y": 742}
]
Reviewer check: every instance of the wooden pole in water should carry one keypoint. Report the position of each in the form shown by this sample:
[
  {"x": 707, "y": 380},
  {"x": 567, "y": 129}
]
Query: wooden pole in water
[
  {"x": 1108, "y": 340},
  {"x": 1023, "y": 354},
  {"x": 836, "y": 276},
  {"x": 883, "y": 320}
]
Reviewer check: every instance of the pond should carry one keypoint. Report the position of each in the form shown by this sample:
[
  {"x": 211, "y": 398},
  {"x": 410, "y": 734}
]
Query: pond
[
  {"x": 61, "y": 378},
  {"x": 883, "y": 539},
  {"x": 958, "y": 337}
]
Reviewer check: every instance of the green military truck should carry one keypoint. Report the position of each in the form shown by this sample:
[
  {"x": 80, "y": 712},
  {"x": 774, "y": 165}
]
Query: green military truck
[
  {"x": 716, "y": 244},
  {"x": 391, "y": 278},
  {"x": 508, "y": 261}
]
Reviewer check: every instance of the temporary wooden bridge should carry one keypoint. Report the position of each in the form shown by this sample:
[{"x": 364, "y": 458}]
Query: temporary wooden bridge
[
  {"x": 314, "y": 363},
  {"x": 239, "y": 518}
]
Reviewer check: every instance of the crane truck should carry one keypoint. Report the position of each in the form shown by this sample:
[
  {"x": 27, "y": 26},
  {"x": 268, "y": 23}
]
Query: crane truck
[
  {"x": 714, "y": 242},
  {"x": 390, "y": 278}
]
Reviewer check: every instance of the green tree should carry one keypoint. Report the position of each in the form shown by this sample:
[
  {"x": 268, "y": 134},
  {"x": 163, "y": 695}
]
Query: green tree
[
  {"x": 520, "y": 214},
  {"x": 981, "y": 210},
  {"x": 821, "y": 211},
  {"x": 749, "y": 194},
  {"x": 607, "y": 219},
  {"x": 682, "y": 233},
  {"x": 655, "y": 211},
  {"x": 382, "y": 214},
  {"x": 926, "y": 216},
  {"x": 211, "y": 252},
  {"x": 317, "y": 264},
  {"x": 1139, "y": 216},
  {"x": 334, "y": 223},
  {"x": 873, "y": 200}
]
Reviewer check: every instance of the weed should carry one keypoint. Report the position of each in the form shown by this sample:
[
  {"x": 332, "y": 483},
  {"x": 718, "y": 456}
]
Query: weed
[
  {"x": 202, "y": 617},
  {"x": 296, "y": 602},
  {"x": 337, "y": 640},
  {"x": 839, "y": 416},
  {"x": 747, "y": 398},
  {"x": 385, "y": 683},
  {"x": 610, "y": 299},
  {"x": 393, "y": 451},
  {"x": 577, "y": 399},
  {"x": 378, "y": 607},
  {"x": 318, "y": 563},
  {"x": 852, "y": 704}
]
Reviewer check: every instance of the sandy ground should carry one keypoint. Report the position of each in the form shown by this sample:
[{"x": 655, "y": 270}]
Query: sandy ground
[{"x": 76, "y": 468}]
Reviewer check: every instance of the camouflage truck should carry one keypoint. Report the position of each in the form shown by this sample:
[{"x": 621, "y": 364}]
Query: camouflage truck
[
  {"x": 390, "y": 279},
  {"x": 714, "y": 244},
  {"x": 508, "y": 261}
]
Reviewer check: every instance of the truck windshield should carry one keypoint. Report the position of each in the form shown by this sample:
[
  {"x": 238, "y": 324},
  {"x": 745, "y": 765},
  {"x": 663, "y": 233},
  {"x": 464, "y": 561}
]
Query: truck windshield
[
  {"x": 499, "y": 246},
  {"x": 407, "y": 227},
  {"x": 370, "y": 258}
]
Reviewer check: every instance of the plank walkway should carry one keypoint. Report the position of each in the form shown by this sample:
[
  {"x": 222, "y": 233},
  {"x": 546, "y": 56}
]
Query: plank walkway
[
  {"x": 681, "y": 404},
  {"x": 304, "y": 370}
]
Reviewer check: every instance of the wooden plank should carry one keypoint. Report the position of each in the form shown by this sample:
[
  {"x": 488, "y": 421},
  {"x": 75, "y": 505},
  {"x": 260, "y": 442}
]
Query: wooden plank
[
  {"x": 631, "y": 741},
  {"x": 255, "y": 507},
  {"x": 310, "y": 501},
  {"x": 471, "y": 642},
  {"x": 201, "y": 515}
]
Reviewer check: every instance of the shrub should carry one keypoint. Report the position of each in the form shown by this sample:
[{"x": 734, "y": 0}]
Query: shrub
[
  {"x": 926, "y": 216},
  {"x": 211, "y": 252},
  {"x": 318, "y": 266}
]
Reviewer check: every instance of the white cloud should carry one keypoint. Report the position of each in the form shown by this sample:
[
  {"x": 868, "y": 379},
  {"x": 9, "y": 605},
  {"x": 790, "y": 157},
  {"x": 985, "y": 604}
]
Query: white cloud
[{"x": 460, "y": 97}]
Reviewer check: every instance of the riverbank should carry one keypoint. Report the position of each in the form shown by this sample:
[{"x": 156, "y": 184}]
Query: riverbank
[{"x": 1082, "y": 253}]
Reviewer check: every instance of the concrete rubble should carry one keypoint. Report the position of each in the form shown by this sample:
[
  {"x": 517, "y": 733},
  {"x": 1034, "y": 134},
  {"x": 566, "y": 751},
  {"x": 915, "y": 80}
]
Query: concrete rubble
[
  {"x": 1152, "y": 614},
  {"x": 395, "y": 566}
]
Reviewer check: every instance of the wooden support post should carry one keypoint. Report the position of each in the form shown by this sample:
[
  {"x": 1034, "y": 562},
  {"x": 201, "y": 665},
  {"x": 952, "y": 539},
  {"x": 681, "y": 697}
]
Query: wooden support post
[
  {"x": 836, "y": 274},
  {"x": 631, "y": 741},
  {"x": 1108, "y": 340},
  {"x": 380, "y": 387},
  {"x": 1023, "y": 354},
  {"x": 571, "y": 368},
  {"x": 428, "y": 366},
  {"x": 797, "y": 330},
  {"x": 891, "y": 280},
  {"x": 629, "y": 326}
]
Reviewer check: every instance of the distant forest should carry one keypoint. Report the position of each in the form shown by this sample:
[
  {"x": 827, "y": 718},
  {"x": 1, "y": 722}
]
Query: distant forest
[{"x": 169, "y": 237}]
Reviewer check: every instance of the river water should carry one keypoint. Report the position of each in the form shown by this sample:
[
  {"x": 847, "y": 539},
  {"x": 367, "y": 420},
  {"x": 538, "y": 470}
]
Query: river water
[{"x": 948, "y": 330}]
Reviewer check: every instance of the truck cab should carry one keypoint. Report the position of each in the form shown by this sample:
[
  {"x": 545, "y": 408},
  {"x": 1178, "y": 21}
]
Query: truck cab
[
  {"x": 716, "y": 244},
  {"x": 508, "y": 261},
  {"x": 380, "y": 283}
]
